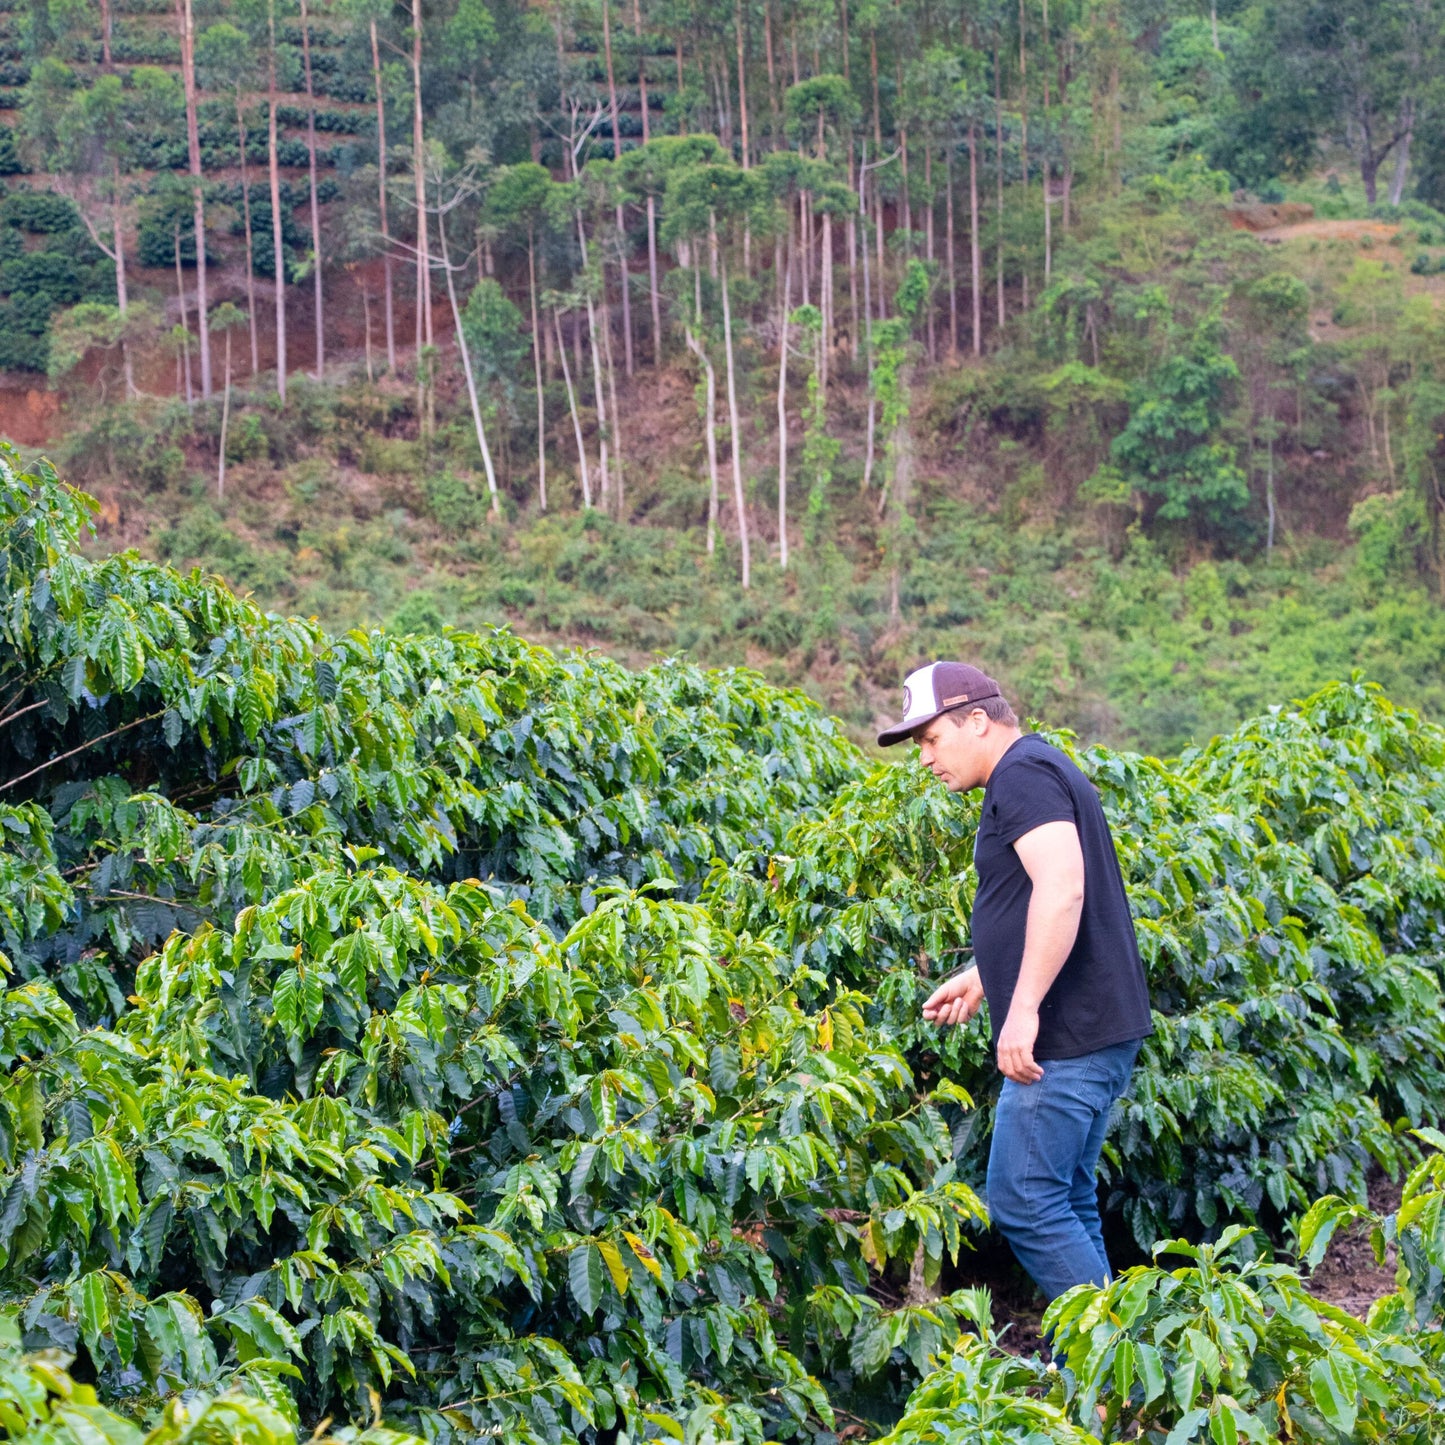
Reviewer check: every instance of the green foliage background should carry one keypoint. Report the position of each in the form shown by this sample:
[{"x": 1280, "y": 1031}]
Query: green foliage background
[{"x": 528, "y": 1045}]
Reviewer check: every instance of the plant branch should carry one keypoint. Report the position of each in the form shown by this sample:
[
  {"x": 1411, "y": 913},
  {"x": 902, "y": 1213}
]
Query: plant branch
[{"x": 84, "y": 747}]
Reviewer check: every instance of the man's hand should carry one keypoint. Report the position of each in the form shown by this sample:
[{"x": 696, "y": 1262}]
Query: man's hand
[
  {"x": 956, "y": 1000},
  {"x": 1016, "y": 1046}
]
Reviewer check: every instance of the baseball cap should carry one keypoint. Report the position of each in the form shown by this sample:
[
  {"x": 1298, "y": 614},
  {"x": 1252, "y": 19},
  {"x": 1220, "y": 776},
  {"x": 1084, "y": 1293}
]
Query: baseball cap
[{"x": 938, "y": 688}]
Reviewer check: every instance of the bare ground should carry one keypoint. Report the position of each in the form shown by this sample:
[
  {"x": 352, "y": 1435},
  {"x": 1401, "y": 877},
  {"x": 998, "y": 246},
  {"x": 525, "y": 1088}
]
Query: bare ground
[{"x": 1348, "y": 1277}]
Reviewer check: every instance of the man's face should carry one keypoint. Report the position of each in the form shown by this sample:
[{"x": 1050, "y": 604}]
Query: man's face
[{"x": 954, "y": 755}]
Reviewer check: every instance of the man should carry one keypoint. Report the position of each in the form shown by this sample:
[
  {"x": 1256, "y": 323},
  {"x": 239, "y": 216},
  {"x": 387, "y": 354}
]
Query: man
[{"x": 1055, "y": 956}]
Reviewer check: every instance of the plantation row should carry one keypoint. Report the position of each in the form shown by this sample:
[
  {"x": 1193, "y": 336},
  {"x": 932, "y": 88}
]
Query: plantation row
[{"x": 527, "y": 1046}]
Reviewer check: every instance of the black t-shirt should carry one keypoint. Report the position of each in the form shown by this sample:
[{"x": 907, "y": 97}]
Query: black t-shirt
[{"x": 1100, "y": 996}]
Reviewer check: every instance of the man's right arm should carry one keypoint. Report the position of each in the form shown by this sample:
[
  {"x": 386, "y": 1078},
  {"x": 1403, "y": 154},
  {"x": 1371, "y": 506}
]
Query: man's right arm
[{"x": 956, "y": 1000}]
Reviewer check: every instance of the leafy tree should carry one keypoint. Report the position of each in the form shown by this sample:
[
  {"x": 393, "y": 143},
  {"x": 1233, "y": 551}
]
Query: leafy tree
[
  {"x": 1171, "y": 449},
  {"x": 1358, "y": 71}
]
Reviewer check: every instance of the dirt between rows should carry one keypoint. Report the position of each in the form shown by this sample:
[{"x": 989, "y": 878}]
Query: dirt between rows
[{"x": 1347, "y": 1278}]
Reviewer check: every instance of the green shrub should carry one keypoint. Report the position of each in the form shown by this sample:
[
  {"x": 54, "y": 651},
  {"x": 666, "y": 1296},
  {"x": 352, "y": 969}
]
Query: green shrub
[
  {"x": 1225, "y": 1345},
  {"x": 1388, "y": 529},
  {"x": 390, "y": 456},
  {"x": 39, "y": 212},
  {"x": 455, "y": 501}
]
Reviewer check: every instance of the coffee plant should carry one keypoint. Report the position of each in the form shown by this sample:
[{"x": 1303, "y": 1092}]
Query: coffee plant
[
  {"x": 525, "y": 1047},
  {"x": 1227, "y": 1346}
]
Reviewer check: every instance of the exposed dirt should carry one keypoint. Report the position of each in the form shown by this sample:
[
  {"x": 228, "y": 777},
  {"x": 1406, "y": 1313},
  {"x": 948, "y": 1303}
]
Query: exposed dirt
[
  {"x": 1330, "y": 231},
  {"x": 1348, "y": 1277},
  {"x": 1261, "y": 216}
]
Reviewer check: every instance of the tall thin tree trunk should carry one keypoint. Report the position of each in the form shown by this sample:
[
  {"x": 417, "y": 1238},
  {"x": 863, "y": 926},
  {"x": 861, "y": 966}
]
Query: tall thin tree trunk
[
  {"x": 905, "y": 195},
  {"x": 998, "y": 166},
  {"x": 246, "y": 216},
  {"x": 614, "y": 412},
  {"x": 825, "y": 293},
  {"x": 783, "y": 416},
  {"x": 774, "y": 108},
  {"x": 315, "y": 206},
  {"x": 878, "y": 146},
  {"x": 928, "y": 236},
  {"x": 366, "y": 323},
  {"x": 537, "y": 370},
  {"x": 1269, "y": 488},
  {"x": 975, "y": 250},
  {"x": 949, "y": 252},
  {"x": 106, "y": 62},
  {"x": 681, "y": 86},
  {"x": 867, "y": 321},
  {"x": 278, "y": 244},
  {"x": 710, "y": 402},
  {"x": 1402, "y": 155},
  {"x": 850, "y": 240},
  {"x": 467, "y": 367},
  {"x": 424, "y": 332},
  {"x": 1024, "y": 144},
  {"x": 388, "y": 303},
  {"x": 742, "y": 81},
  {"x": 225, "y": 423},
  {"x": 116, "y": 252},
  {"x": 185, "y": 322},
  {"x": 1066, "y": 160},
  {"x": 572, "y": 408},
  {"x": 193, "y": 143},
  {"x": 653, "y": 287},
  {"x": 1048, "y": 161},
  {"x": 735, "y": 424},
  {"x": 621, "y": 218},
  {"x": 603, "y": 478}
]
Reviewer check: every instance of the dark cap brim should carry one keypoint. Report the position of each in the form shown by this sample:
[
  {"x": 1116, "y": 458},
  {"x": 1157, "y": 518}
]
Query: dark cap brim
[{"x": 902, "y": 732}]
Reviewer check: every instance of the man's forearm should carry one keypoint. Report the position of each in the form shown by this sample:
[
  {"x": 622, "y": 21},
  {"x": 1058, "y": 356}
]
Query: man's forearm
[{"x": 1053, "y": 925}]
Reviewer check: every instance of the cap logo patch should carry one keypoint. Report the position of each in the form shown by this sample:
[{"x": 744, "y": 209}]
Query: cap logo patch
[
  {"x": 907, "y": 700},
  {"x": 954, "y": 701}
]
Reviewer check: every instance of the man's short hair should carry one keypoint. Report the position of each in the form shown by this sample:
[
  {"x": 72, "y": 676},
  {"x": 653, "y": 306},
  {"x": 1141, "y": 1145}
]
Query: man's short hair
[{"x": 994, "y": 708}]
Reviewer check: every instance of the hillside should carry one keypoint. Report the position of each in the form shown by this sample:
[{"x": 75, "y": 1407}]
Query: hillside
[{"x": 1140, "y": 633}]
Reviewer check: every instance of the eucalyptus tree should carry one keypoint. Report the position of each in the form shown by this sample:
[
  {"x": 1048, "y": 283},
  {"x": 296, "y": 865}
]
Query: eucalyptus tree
[
  {"x": 519, "y": 200},
  {"x": 278, "y": 242},
  {"x": 555, "y": 304},
  {"x": 643, "y": 172},
  {"x": 719, "y": 201},
  {"x": 594, "y": 196},
  {"x": 376, "y": 19},
  {"x": 317, "y": 267},
  {"x": 226, "y": 64},
  {"x": 821, "y": 112},
  {"x": 452, "y": 190},
  {"x": 651, "y": 168},
  {"x": 185, "y": 17}
]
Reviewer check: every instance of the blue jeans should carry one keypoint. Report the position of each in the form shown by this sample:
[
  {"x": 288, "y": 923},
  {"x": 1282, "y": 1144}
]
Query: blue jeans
[{"x": 1042, "y": 1193}]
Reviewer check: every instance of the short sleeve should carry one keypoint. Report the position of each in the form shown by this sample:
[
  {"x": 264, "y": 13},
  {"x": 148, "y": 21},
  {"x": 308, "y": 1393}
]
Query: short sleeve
[{"x": 1031, "y": 794}]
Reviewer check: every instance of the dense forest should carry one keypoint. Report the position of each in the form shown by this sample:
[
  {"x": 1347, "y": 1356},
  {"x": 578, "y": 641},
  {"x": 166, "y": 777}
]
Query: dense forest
[{"x": 1100, "y": 338}]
